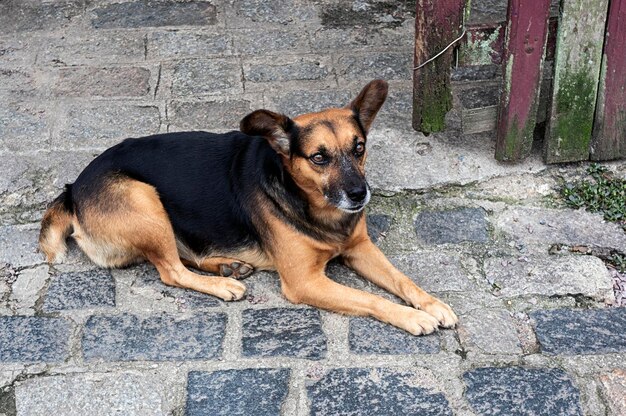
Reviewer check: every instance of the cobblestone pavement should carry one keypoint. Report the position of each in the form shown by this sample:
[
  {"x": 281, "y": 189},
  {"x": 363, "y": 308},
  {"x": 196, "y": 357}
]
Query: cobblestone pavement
[{"x": 538, "y": 332}]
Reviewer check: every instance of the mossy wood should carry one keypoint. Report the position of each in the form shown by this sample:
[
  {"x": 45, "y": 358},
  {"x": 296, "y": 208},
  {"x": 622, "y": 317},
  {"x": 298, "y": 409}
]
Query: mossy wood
[
  {"x": 527, "y": 29},
  {"x": 437, "y": 24},
  {"x": 609, "y": 131},
  {"x": 577, "y": 70}
]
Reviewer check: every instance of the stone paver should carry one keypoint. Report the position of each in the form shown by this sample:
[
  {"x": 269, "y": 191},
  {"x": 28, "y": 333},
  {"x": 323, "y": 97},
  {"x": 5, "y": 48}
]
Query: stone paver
[
  {"x": 568, "y": 331},
  {"x": 102, "y": 82},
  {"x": 27, "y": 288},
  {"x": 283, "y": 332},
  {"x": 259, "y": 391},
  {"x": 377, "y": 226},
  {"x": 489, "y": 331},
  {"x": 33, "y": 339},
  {"x": 375, "y": 391},
  {"x": 206, "y": 77},
  {"x": 18, "y": 245},
  {"x": 521, "y": 391},
  {"x": 96, "y": 394},
  {"x": 102, "y": 125},
  {"x": 136, "y": 14},
  {"x": 615, "y": 386},
  {"x": 160, "y": 338},
  {"x": 549, "y": 226},
  {"x": 452, "y": 226},
  {"x": 368, "y": 336},
  {"x": 550, "y": 276},
  {"x": 80, "y": 290}
]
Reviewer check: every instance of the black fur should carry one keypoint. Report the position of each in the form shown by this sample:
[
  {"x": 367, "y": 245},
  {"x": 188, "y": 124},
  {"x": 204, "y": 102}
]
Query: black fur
[{"x": 210, "y": 185}]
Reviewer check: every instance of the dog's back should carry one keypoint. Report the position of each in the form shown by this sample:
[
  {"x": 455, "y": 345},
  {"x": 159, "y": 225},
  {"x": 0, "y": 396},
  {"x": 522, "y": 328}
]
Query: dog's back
[{"x": 206, "y": 183}]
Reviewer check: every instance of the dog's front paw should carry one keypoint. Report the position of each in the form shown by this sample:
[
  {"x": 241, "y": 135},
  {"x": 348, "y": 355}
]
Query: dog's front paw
[
  {"x": 442, "y": 312},
  {"x": 231, "y": 289},
  {"x": 415, "y": 321}
]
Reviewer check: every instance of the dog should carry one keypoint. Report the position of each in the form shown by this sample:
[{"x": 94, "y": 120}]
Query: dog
[{"x": 281, "y": 194}]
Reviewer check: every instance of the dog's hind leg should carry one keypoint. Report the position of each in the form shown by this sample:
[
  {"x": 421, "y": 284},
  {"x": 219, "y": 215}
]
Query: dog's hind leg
[
  {"x": 127, "y": 220},
  {"x": 224, "y": 266}
]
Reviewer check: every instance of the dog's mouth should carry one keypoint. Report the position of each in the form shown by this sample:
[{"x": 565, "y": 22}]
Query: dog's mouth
[{"x": 349, "y": 206}]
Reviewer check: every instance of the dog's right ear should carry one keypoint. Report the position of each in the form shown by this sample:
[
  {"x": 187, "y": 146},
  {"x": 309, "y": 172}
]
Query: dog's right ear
[{"x": 276, "y": 128}]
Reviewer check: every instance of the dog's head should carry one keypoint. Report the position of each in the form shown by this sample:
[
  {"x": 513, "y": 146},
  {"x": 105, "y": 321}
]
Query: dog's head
[{"x": 325, "y": 152}]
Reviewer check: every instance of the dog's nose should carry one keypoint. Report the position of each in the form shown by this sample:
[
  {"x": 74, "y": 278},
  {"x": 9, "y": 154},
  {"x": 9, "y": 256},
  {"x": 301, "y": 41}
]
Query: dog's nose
[{"x": 357, "y": 193}]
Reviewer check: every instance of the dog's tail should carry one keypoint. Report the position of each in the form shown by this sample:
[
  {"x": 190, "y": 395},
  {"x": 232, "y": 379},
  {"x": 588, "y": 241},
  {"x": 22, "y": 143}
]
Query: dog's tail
[{"x": 56, "y": 226}]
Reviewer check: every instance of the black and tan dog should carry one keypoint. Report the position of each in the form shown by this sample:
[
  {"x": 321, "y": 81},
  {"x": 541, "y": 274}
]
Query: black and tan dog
[{"x": 283, "y": 194}]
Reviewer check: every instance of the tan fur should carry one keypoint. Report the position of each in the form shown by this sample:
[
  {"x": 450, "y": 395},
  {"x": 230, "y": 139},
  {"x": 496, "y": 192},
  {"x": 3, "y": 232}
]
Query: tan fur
[{"x": 56, "y": 226}]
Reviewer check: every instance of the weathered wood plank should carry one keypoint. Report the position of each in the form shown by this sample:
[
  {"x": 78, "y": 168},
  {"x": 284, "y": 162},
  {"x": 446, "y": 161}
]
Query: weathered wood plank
[
  {"x": 609, "y": 132},
  {"x": 437, "y": 23},
  {"x": 523, "y": 59},
  {"x": 577, "y": 70}
]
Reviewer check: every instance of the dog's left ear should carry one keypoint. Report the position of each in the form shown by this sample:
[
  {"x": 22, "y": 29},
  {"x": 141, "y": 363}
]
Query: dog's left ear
[
  {"x": 276, "y": 128},
  {"x": 369, "y": 101}
]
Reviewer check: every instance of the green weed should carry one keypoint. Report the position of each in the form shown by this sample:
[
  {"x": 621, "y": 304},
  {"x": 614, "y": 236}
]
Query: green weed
[{"x": 603, "y": 193}]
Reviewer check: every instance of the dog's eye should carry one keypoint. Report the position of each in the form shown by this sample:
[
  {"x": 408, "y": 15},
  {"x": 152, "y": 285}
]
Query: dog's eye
[
  {"x": 359, "y": 148},
  {"x": 319, "y": 159}
]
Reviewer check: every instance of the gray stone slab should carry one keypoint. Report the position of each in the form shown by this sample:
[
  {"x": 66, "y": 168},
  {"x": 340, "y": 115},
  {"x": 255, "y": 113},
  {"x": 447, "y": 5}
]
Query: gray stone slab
[
  {"x": 102, "y": 394},
  {"x": 549, "y": 276},
  {"x": 80, "y": 290},
  {"x": 7, "y": 401},
  {"x": 386, "y": 13},
  {"x": 364, "y": 38},
  {"x": 614, "y": 384},
  {"x": 548, "y": 226},
  {"x": 452, "y": 227},
  {"x": 20, "y": 16},
  {"x": 283, "y": 69},
  {"x": 375, "y": 391},
  {"x": 102, "y": 82},
  {"x": 285, "y": 332},
  {"x": 258, "y": 391},
  {"x": 144, "y": 13},
  {"x": 247, "y": 13},
  {"x": 29, "y": 339},
  {"x": 397, "y": 110},
  {"x": 102, "y": 124},
  {"x": 163, "y": 337},
  {"x": 569, "y": 331},
  {"x": 377, "y": 225},
  {"x": 298, "y": 102},
  {"x": 264, "y": 41},
  {"x": 17, "y": 84},
  {"x": 26, "y": 289},
  {"x": 18, "y": 50},
  {"x": 400, "y": 158},
  {"x": 214, "y": 114},
  {"x": 24, "y": 127},
  {"x": 488, "y": 331},
  {"x": 214, "y": 76},
  {"x": 369, "y": 336},
  {"x": 110, "y": 47},
  {"x": 18, "y": 245},
  {"x": 384, "y": 65},
  {"x": 182, "y": 44},
  {"x": 488, "y": 12},
  {"x": 521, "y": 391},
  {"x": 436, "y": 271}
]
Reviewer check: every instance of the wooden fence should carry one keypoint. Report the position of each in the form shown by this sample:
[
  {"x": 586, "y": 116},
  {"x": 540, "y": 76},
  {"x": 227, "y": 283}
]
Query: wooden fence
[{"x": 587, "y": 106}]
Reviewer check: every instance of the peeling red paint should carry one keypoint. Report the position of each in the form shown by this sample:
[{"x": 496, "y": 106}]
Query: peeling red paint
[
  {"x": 609, "y": 136},
  {"x": 527, "y": 22}
]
